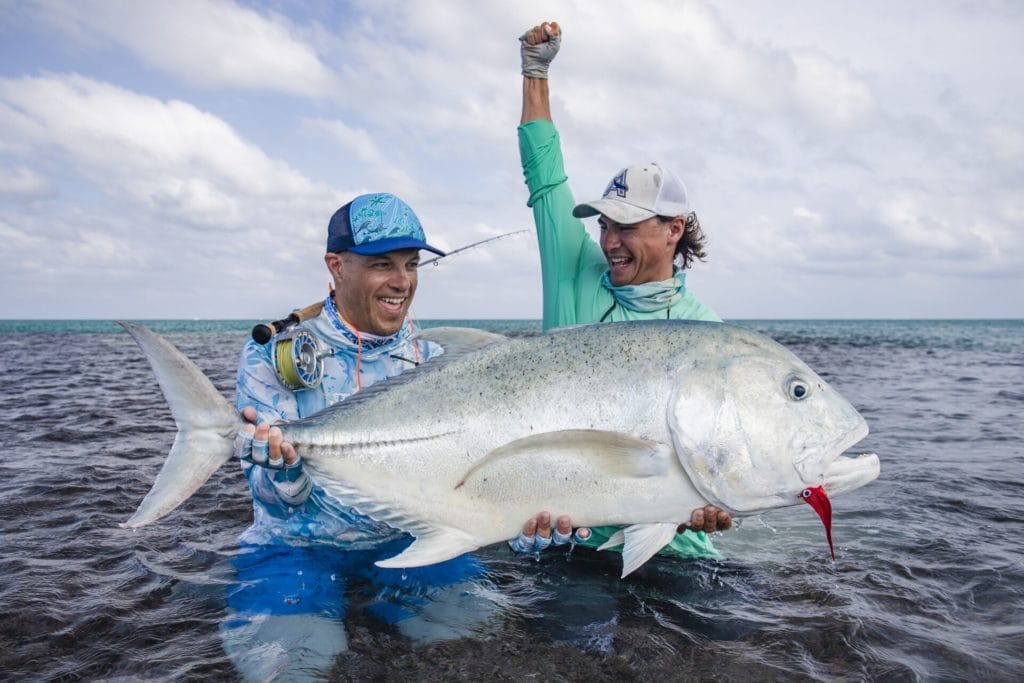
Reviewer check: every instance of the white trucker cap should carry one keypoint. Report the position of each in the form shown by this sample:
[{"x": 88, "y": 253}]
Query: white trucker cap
[{"x": 637, "y": 193}]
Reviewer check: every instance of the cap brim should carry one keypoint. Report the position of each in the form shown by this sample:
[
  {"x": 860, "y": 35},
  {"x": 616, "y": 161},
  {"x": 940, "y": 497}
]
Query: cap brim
[
  {"x": 393, "y": 244},
  {"x": 620, "y": 212}
]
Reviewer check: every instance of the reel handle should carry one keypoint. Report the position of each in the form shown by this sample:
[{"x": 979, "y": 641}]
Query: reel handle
[{"x": 262, "y": 333}]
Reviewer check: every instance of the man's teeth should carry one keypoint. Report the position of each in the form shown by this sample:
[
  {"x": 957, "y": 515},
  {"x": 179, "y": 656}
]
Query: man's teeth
[
  {"x": 619, "y": 260},
  {"x": 394, "y": 301}
]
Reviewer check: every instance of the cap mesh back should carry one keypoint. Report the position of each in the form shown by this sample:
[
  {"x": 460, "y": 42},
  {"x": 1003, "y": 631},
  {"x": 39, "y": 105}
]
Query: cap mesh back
[{"x": 672, "y": 199}]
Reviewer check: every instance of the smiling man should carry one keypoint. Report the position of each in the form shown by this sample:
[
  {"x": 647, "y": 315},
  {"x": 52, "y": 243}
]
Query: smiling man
[
  {"x": 649, "y": 237},
  {"x": 373, "y": 247},
  {"x": 287, "y": 605}
]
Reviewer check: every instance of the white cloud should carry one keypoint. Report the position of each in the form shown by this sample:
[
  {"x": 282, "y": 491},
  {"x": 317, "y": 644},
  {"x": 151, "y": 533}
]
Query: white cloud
[
  {"x": 355, "y": 140},
  {"x": 1006, "y": 142},
  {"x": 822, "y": 146},
  {"x": 828, "y": 93},
  {"x": 17, "y": 239},
  {"x": 807, "y": 214},
  {"x": 169, "y": 157},
  {"x": 210, "y": 43},
  {"x": 160, "y": 193},
  {"x": 99, "y": 251},
  {"x": 24, "y": 183},
  {"x": 912, "y": 223}
]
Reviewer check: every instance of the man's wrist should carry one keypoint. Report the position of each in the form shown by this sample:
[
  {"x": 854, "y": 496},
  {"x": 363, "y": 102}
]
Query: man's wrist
[{"x": 537, "y": 58}]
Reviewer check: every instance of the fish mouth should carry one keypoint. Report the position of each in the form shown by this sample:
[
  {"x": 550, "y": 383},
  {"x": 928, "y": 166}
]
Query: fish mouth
[{"x": 849, "y": 472}]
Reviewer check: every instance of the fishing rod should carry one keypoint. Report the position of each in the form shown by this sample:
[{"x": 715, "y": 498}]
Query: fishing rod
[
  {"x": 263, "y": 332},
  {"x": 453, "y": 252}
]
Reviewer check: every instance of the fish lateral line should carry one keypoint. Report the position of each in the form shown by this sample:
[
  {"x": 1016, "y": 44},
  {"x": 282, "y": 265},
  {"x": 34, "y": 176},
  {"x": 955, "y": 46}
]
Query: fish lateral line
[{"x": 368, "y": 444}]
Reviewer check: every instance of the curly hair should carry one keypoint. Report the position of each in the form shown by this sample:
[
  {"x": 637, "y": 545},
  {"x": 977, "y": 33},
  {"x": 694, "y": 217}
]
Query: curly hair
[{"x": 691, "y": 244}]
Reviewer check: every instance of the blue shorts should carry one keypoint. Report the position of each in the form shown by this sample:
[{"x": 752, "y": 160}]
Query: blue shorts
[{"x": 282, "y": 579}]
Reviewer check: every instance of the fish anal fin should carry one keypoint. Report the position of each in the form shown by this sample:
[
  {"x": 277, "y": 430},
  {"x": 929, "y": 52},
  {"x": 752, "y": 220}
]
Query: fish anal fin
[
  {"x": 609, "y": 453},
  {"x": 614, "y": 541},
  {"x": 432, "y": 547},
  {"x": 642, "y": 541}
]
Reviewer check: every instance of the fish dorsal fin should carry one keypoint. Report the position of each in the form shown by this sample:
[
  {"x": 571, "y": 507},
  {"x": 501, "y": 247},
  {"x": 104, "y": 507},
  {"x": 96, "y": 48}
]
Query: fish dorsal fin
[
  {"x": 458, "y": 341},
  {"x": 642, "y": 541},
  {"x": 431, "y": 547},
  {"x": 612, "y": 453}
]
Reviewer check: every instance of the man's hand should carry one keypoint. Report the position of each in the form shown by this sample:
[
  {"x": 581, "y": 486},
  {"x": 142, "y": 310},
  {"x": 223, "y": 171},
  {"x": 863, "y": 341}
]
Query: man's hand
[
  {"x": 262, "y": 444},
  {"x": 538, "y": 47},
  {"x": 709, "y": 519},
  {"x": 537, "y": 534}
]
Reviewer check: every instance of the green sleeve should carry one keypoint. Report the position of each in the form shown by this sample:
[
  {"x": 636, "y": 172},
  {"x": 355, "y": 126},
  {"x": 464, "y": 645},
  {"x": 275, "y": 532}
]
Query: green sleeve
[
  {"x": 686, "y": 544},
  {"x": 565, "y": 247}
]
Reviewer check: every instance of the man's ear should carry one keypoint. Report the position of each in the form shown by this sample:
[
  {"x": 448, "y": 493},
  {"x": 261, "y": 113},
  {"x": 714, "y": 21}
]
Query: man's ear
[
  {"x": 676, "y": 229},
  {"x": 334, "y": 264}
]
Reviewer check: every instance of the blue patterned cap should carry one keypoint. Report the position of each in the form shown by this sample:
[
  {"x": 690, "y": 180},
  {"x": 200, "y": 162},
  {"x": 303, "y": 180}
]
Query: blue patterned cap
[{"x": 375, "y": 224}]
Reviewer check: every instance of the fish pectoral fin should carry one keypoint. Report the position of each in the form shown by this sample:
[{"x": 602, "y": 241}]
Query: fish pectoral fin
[
  {"x": 432, "y": 547},
  {"x": 642, "y": 541},
  {"x": 605, "y": 453}
]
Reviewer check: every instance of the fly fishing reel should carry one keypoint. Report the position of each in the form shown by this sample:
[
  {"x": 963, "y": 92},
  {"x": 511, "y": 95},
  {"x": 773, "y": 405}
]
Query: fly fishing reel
[{"x": 298, "y": 359}]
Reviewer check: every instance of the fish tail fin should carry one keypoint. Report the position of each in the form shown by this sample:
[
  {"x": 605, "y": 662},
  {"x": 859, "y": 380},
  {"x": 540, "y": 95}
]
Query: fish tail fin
[{"x": 207, "y": 424}]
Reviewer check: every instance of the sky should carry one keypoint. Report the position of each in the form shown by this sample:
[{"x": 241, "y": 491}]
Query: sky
[{"x": 182, "y": 159}]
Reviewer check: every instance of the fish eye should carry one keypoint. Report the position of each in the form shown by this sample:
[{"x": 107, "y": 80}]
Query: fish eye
[{"x": 798, "y": 389}]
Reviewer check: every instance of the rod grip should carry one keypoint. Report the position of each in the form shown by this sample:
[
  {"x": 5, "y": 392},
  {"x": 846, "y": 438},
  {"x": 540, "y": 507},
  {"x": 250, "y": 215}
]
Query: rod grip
[{"x": 263, "y": 332}]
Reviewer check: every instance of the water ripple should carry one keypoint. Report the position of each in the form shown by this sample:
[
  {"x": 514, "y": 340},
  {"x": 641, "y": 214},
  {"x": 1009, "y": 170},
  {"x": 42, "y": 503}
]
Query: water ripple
[{"x": 927, "y": 584}]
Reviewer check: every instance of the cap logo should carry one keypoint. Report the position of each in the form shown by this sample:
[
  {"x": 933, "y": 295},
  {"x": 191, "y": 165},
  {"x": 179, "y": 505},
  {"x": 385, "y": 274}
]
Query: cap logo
[
  {"x": 381, "y": 216},
  {"x": 376, "y": 224},
  {"x": 617, "y": 185}
]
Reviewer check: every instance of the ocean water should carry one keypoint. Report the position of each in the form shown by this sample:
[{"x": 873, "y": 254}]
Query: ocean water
[{"x": 928, "y": 582}]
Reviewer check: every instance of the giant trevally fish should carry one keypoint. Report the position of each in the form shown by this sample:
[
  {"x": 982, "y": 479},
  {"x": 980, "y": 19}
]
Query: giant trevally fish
[{"x": 632, "y": 424}]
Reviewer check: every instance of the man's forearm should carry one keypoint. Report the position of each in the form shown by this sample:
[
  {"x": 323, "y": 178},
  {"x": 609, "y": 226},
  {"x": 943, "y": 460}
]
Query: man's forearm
[{"x": 536, "y": 104}]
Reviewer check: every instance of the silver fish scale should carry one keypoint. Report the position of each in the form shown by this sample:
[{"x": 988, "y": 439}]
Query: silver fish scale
[
  {"x": 414, "y": 438},
  {"x": 525, "y": 386}
]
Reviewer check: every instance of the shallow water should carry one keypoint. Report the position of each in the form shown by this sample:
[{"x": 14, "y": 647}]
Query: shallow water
[{"x": 928, "y": 583}]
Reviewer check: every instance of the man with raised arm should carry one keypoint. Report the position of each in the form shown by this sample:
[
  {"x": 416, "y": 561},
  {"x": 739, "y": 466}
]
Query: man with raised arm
[{"x": 649, "y": 237}]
